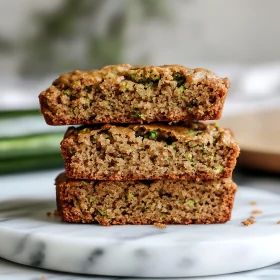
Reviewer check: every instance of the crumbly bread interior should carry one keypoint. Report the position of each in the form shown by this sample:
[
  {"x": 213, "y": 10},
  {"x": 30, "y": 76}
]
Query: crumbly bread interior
[
  {"x": 144, "y": 202},
  {"x": 155, "y": 151},
  {"x": 126, "y": 94}
]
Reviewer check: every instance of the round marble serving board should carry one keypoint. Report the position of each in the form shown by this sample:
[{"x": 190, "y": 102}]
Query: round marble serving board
[{"x": 28, "y": 236}]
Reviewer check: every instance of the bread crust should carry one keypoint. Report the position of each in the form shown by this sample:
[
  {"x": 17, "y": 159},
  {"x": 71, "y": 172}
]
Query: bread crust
[
  {"x": 126, "y": 94},
  {"x": 189, "y": 151},
  {"x": 144, "y": 202}
]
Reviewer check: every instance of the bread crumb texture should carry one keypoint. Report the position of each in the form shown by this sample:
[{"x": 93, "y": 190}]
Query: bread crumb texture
[
  {"x": 250, "y": 221},
  {"x": 253, "y": 203},
  {"x": 186, "y": 151},
  {"x": 127, "y": 94},
  {"x": 256, "y": 212},
  {"x": 159, "y": 225},
  {"x": 144, "y": 202}
]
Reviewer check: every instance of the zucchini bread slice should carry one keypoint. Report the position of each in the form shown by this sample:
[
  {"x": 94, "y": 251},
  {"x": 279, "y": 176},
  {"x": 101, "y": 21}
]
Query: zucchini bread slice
[
  {"x": 126, "y": 94},
  {"x": 144, "y": 202},
  {"x": 189, "y": 151}
]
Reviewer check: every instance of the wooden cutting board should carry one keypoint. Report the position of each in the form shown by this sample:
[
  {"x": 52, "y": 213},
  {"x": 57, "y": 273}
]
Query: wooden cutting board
[{"x": 258, "y": 135}]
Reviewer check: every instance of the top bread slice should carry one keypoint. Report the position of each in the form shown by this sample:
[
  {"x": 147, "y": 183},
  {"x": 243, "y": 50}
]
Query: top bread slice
[{"x": 126, "y": 94}]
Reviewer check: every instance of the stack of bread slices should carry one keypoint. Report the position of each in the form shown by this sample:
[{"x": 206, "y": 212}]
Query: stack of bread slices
[{"x": 141, "y": 155}]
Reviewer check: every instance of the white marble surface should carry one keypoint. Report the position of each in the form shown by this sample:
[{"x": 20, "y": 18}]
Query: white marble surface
[{"x": 28, "y": 236}]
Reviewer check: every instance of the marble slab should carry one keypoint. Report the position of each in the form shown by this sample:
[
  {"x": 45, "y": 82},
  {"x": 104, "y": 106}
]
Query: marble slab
[
  {"x": 28, "y": 236},
  {"x": 14, "y": 271}
]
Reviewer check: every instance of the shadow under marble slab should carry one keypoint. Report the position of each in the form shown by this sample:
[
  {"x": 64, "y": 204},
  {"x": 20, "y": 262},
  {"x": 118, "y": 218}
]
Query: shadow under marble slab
[{"x": 14, "y": 271}]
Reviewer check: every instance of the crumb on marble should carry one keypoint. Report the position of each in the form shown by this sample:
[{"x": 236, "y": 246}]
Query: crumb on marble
[
  {"x": 251, "y": 220},
  {"x": 278, "y": 222},
  {"x": 253, "y": 203},
  {"x": 43, "y": 277},
  {"x": 49, "y": 214},
  {"x": 159, "y": 225},
  {"x": 55, "y": 213},
  {"x": 256, "y": 212}
]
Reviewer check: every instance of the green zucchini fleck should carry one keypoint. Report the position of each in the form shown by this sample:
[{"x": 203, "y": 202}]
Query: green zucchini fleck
[
  {"x": 218, "y": 169},
  {"x": 192, "y": 203},
  {"x": 101, "y": 212},
  {"x": 179, "y": 79},
  {"x": 138, "y": 114}
]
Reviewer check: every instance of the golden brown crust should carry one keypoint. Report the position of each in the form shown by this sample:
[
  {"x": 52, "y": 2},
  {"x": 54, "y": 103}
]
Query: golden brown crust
[
  {"x": 143, "y": 202},
  {"x": 127, "y": 94},
  {"x": 195, "y": 75}
]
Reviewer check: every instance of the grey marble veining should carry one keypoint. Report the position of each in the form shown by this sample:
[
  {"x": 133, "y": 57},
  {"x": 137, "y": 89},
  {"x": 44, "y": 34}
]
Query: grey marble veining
[{"x": 29, "y": 236}]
